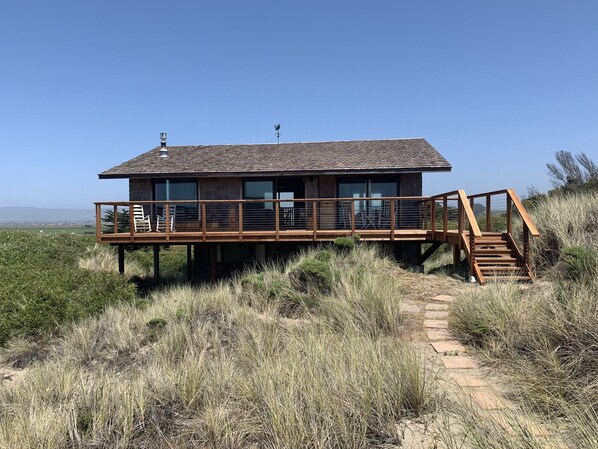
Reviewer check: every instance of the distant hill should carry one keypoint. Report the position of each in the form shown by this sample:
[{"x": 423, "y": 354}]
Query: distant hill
[{"x": 43, "y": 215}]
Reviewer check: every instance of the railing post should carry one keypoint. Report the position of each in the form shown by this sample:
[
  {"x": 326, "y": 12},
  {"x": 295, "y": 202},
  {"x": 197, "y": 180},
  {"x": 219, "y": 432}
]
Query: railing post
[
  {"x": 471, "y": 252},
  {"x": 460, "y": 221},
  {"x": 526, "y": 247},
  {"x": 98, "y": 222},
  {"x": 204, "y": 221},
  {"x": 392, "y": 219},
  {"x": 167, "y": 220},
  {"x": 353, "y": 217},
  {"x": 131, "y": 222},
  {"x": 115, "y": 212},
  {"x": 314, "y": 206},
  {"x": 277, "y": 219},
  {"x": 488, "y": 213},
  {"x": 240, "y": 218},
  {"x": 445, "y": 218},
  {"x": 433, "y": 218},
  {"x": 509, "y": 214}
]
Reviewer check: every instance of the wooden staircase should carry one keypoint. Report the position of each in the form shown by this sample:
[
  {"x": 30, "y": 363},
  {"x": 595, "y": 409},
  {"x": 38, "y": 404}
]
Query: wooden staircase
[{"x": 497, "y": 258}]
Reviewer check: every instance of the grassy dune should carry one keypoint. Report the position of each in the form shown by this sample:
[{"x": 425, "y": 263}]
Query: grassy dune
[
  {"x": 306, "y": 355},
  {"x": 546, "y": 337}
]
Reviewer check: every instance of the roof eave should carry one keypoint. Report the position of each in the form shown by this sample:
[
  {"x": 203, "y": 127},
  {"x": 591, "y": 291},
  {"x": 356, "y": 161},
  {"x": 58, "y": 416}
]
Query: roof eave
[{"x": 105, "y": 175}]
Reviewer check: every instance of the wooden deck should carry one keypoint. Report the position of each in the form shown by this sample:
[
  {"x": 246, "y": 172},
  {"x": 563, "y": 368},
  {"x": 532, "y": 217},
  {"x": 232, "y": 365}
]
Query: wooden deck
[{"x": 445, "y": 218}]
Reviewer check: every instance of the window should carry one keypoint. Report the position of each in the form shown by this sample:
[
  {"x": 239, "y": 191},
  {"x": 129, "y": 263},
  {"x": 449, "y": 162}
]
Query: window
[{"x": 176, "y": 190}]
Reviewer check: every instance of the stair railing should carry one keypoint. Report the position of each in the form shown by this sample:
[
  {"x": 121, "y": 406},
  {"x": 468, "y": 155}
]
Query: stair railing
[
  {"x": 454, "y": 212},
  {"x": 498, "y": 217}
]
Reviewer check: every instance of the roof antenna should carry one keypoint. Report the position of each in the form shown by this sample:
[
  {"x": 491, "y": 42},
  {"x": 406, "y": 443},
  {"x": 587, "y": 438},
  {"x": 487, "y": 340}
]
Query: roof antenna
[{"x": 277, "y": 129}]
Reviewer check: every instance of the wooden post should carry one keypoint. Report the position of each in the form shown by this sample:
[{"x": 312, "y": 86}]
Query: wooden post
[
  {"x": 392, "y": 220},
  {"x": 241, "y": 221},
  {"x": 456, "y": 255},
  {"x": 526, "y": 247},
  {"x": 471, "y": 252},
  {"x": 509, "y": 215},
  {"x": 115, "y": 211},
  {"x": 353, "y": 217},
  {"x": 445, "y": 218},
  {"x": 460, "y": 222},
  {"x": 121, "y": 259},
  {"x": 488, "y": 213},
  {"x": 131, "y": 222},
  {"x": 214, "y": 262},
  {"x": 433, "y": 218},
  {"x": 204, "y": 220},
  {"x": 167, "y": 223},
  {"x": 277, "y": 219},
  {"x": 156, "y": 264},
  {"x": 189, "y": 264},
  {"x": 314, "y": 208},
  {"x": 98, "y": 222}
]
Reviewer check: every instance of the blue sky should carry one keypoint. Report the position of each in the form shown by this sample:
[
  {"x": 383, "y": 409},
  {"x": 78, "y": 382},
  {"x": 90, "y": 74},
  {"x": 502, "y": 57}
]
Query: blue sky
[{"x": 496, "y": 87}]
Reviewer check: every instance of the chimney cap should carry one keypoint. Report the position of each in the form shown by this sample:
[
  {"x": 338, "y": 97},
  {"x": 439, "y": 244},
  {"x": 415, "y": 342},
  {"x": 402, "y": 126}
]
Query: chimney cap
[{"x": 163, "y": 149}]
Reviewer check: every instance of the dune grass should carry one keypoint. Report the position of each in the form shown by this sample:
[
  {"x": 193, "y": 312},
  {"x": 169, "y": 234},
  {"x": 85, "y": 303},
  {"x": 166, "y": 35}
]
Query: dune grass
[
  {"x": 272, "y": 359},
  {"x": 545, "y": 336}
]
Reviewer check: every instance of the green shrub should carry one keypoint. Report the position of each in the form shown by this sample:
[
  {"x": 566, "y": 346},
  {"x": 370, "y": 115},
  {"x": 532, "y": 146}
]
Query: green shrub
[
  {"x": 323, "y": 255},
  {"x": 312, "y": 276},
  {"x": 43, "y": 288},
  {"x": 154, "y": 328},
  {"x": 578, "y": 262},
  {"x": 344, "y": 244},
  {"x": 254, "y": 283}
]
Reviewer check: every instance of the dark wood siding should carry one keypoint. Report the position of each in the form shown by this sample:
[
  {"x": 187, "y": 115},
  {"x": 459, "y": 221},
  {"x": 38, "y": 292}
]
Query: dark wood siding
[
  {"x": 220, "y": 188},
  {"x": 410, "y": 184},
  {"x": 140, "y": 189}
]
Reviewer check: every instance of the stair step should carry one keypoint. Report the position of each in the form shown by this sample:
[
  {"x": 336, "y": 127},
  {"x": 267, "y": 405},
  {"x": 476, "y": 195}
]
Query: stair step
[
  {"x": 489, "y": 242},
  {"x": 482, "y": 251},
  {"x": 498, "y": 269},
  {"x": 509, "y": 278},
  {"x": 497, "y": 260}
]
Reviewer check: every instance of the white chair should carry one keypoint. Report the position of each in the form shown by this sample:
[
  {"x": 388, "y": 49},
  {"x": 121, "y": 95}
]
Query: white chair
[
  {"x": 161, "y": 219},
  {"x": 141, "y": 222}
]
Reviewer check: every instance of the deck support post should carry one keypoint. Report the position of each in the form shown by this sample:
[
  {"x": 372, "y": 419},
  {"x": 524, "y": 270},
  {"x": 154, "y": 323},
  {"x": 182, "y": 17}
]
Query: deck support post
[
  {"x": 121, "y": 259},
  {"x": 214, "y": 262},
  {"x": 189, "y": 264},
  {"x": 156, "y": 264},
  {"x": 456, "y": 256}
]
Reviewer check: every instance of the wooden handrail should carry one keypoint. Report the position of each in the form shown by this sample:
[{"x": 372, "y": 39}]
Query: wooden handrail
[
  {"x": 495, "y": 192},
  {"x": 265, "y": 200},
  {"x": 475, "y": 229},
  {"x": 523, "y": 213}
]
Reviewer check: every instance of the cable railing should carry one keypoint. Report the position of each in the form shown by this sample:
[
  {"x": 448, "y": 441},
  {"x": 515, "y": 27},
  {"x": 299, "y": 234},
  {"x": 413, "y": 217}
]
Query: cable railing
[
  {"x": 451, "y": 217},
  {"x": 376, "y": 217}
]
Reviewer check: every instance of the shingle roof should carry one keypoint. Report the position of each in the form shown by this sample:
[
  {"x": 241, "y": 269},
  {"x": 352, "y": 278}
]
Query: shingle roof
[{"x": 344, "y": 157}]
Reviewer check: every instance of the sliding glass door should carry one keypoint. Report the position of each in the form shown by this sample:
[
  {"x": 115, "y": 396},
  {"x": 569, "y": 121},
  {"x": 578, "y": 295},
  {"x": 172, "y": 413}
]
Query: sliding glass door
[
  {"x": 368, "y": 213},
  {"x": 260, "y": 215}
]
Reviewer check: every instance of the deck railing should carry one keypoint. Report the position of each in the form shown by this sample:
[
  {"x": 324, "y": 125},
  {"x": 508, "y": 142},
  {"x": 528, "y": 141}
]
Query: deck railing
[
  {"x": 451, "y": 217},
  {"x": 452, "y": 211},
  {"x": 276, "y": 219}
]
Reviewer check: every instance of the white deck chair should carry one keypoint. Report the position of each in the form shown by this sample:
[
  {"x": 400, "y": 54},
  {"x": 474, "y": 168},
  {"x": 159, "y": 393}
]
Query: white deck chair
[
  {"x": 141, "y": 221},
  {"x": 161, "y": 219}
]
